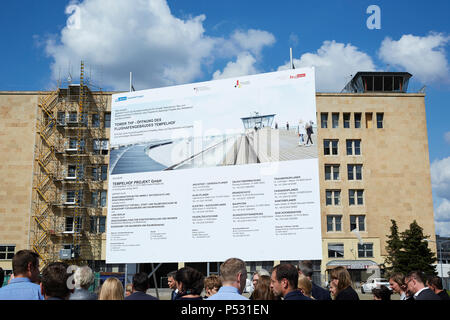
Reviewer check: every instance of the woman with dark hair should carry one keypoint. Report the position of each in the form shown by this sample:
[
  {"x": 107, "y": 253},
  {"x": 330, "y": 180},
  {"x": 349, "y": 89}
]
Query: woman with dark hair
[
  {"x": 343, "y": 283},
  {"x": 189, "y": 284},
  {"x": 383, "y": 294}
]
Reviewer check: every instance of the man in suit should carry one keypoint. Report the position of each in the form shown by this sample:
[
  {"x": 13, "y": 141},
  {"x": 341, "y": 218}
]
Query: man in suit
[
  {"x": 305, "y": 268},
  {"x": 284, "y": 282},
  {"x": 435, "y": 284},
  {"x": 415, "y": 281},
  {"x": 171, "y": 282},
  {"x": 139, "y": 287}
]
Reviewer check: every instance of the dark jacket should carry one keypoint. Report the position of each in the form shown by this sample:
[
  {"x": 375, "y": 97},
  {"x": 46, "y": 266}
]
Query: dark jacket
[
  {"x": 296, "y": 295},
  {"x": 138, "y": 295},
  {"x": 347, "y": 294},
  {"x": 427, "y": 294},
  {"x": 444, "y": 295},
  {"x": 320, "y": 293},
  {"x": 82, "y": 294}
]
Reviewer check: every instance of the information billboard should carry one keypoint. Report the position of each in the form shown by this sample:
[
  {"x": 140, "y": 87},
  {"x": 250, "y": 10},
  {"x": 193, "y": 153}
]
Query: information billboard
[{"x": 207, "y": 171}]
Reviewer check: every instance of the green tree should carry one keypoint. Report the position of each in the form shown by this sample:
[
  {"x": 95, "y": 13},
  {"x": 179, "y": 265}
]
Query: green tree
[
  {"x": 394, "y": 246},
  {"x": 409, "y": 251},
  {"x": 416, "y": 255}
]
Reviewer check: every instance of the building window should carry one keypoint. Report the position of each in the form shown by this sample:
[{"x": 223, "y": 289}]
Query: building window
[
  {"x": 334, "y": 223},
  {"x": 70, "y": 224},
  {"x": 107, "y": 120},
  {"x": 84, "y": 119},
  {"x": 95, "y": 120},
  {"x": 354, "y": 171},
  {"x": 94, "y": 199},
  {"x": 333, "y": 197},
  {"x": 380, "y": 117},
  {"x": 335, "y": 250},
  {"x": 95, "y": 175},
  {"x": 353, "y": 147},
  {"x": 358, "y": 223},
  {"x": 73, "y": 144},
  {"x": 73, "y": 117},
  {"x": 358, "y": 116},
  {"x": 346, "y": 120},
  {"x": 356, "y": 197},
  {"x": 104, "y": 170},
  {"x": 330, "y": 147},
  {"x": 71, "y": 171},
  {"x": 100, "y": 146},
  {"x": 365, "y": 250},
  {"x": 97, "y": 224},
  {"x": 70, "y": 197},
  {"x": 103, "y": 198},
  {"x": 324, "y": 120},
  {"x": 7, "y": 252},
  {"x": 357, "y": 120},
  {"x": 369, "y": 120},
  {"x": 331, "y": 172},
  {"x": 61, "y": 118},
  {"x": 335, "y": 120}
]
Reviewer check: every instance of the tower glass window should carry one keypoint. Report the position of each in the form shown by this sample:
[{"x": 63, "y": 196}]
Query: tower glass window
[
  {"x": 346, "y": 120},
  {"x": 324, "y": 120},
  {"x": 331, "y": 172},
  {"x": 335, "y": 120}
]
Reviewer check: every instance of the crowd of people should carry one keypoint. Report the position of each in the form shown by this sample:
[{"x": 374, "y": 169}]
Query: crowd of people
[{"x": 285, "y": 282}]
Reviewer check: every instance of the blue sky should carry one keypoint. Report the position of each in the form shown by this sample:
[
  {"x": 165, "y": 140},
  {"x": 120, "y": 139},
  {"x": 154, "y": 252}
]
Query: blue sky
[{"x": 179, "y": 42}]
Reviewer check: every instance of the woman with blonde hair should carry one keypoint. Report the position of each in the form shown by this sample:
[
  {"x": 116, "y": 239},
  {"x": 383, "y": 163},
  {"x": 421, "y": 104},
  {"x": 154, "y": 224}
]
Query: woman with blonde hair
[
  {"x": 305, "y": 286},
  {"x": 262, "y": 290},
  {"x": 343, "y": 282},
  {"x": 112, "y": 289}
]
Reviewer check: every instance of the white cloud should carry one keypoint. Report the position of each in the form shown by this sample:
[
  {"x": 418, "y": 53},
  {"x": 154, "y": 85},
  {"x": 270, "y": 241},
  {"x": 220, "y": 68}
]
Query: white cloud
[
  {"x": 246, "y": 46},
  {"x": 442, "y": 228},
  {"x": 440, "y": 177},
  {"x": 447, "y": 137},
  {"x": 423, "y": 57},
  {"x": 142, "y": 36},
  {"x": 335, "y": 63},
  {"x": 252, "y": 40},
  {"x": 442, "y": 213},
  {"x": 244, "y": 65}
]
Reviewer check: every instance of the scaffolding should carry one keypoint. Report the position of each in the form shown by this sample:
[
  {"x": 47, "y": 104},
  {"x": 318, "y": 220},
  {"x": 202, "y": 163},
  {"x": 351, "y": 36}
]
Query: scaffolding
[{"x": 70, "y": 173}]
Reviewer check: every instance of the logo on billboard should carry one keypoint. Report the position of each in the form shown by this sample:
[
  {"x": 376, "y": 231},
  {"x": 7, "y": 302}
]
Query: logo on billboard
[
  {"x": 299, "y": 75},
  {"x": 121, "y": 99},
  {"x": 239, "y": 84}
]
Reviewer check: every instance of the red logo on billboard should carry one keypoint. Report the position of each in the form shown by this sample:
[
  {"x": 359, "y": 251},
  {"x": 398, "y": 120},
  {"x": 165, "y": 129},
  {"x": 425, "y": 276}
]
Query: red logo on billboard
[{"x": 299, "y": 75}]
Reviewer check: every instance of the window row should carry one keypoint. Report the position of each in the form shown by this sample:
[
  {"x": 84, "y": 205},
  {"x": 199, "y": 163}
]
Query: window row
[
  {"x": 355, "y": 197},
  {"x": 73, "y": 117},
  {"x": 354, "y": 172},
  {"x": 336, "y": 250},
  {"x": 99, "y": 146},
  {"x": 331, "y": 147},
  {"x": 347, "y": 119},
  {"x": 99, "y": 173},
  {"x": 7, "y": 252},
  {"x": 97, "y": 224},
  {"x": 97, "y": 199},
  {"x": 357, "y": 222}
]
